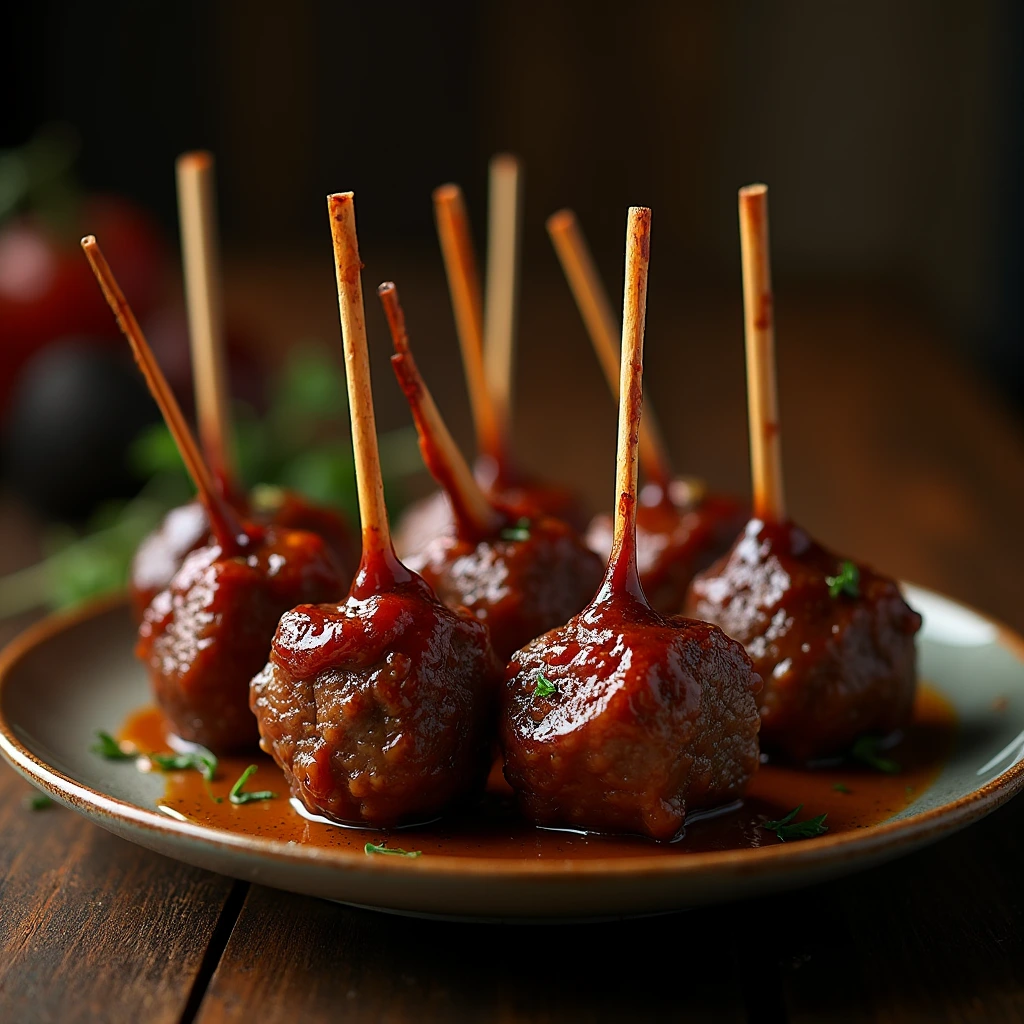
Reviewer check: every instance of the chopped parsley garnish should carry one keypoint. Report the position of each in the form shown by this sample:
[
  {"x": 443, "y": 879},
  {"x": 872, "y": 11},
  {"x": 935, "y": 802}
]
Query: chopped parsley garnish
[
  {"x": 393, "y": 851},
  {"x": 847, "y": 582},
  {"x": 521, "y": 531},
  {"x": 236, "y": 796},
  {"x": 201, "y": 760},
  {"x": 867, "y": 751},
  {"x": 841, "y": 787},
  {"x": 37, "y": 802},
  {"x": 106, "y": 746},
  {"x": 787, "y": 828},
  {"x": 544, "y": 687}
]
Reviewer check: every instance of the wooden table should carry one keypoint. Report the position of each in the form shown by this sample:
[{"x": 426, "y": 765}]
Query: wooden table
[{"x": 893, "y": 451}]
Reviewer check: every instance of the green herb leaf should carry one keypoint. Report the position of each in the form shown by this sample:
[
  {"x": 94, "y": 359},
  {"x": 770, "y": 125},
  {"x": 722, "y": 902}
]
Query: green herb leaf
[
  {"x": 203, "y": 762},
  {"x": 544, "y": 687},
  {"x": 841, "y": 787},
  {"x": 236, "y": 796},
  {"x": 521, "y": 531},
  {"x": 787, "y": 828},
  {"x": 37, "y": 802},
  {"x": 106, "y": 746},
  {"x": 867, "y": 751},
  {"x": 393, "y": 851},
  {"x": 847, "y": 582}
]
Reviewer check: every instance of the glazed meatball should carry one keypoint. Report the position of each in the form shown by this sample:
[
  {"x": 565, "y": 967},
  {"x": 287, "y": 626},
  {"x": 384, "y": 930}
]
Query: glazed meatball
[
  {"x": 623, "y": 721},
  {"x": 379, "y": 710},
  {"x": 186, "y": 528},
  {"x": 677, "y": 535},
  {"x": 204, "y": 637},
  {"x": 529, "y": 577},
  {"x": 431, "y": 516},
  {"x": 162, "y": 552},
  {"x": 833, "y": 641}
]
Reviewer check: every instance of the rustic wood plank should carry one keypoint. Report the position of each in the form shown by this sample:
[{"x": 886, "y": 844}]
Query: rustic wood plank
[
  {"x": 92, "y": 928},
  {"x": 301, "y": 959},
  {"x": 935, "y": 937}
]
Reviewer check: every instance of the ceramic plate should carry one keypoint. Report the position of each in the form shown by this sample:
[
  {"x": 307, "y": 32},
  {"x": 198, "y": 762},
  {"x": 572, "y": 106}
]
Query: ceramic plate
[{"x": 71, "y": 676}]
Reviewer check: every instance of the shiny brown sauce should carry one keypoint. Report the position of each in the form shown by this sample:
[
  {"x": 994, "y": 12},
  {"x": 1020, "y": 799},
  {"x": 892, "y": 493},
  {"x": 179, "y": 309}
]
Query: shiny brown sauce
[{"x": 494, "y": 829}]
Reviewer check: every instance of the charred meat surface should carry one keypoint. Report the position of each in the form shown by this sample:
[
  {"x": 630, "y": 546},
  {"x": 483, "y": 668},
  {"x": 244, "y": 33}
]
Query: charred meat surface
[
  {"x": 205, "y": 636},
  {"x": 833, "y": 641},
  {"x": 379, "y": 710}
]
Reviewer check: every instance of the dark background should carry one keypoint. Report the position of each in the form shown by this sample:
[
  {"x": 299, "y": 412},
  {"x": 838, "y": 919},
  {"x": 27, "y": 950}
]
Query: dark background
[{"x": 890, "y": 133}]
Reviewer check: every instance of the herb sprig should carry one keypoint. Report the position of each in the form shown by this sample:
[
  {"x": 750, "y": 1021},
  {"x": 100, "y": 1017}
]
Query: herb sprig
[
  {"x": 545, "y": 687},
  {"x": 236, "y": 796},
  {"x": 867, "y": 750},
  {"x": 846, "y": 582},
  {"x": 108, "y": 748},
  {"x": 520, "y": 532},
  {"x": 201, "y": 760},
  {"x": 788, "y": 828},
  {"x": 370, "y": 849}
]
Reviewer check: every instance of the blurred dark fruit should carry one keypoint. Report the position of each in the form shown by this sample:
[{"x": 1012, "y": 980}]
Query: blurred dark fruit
[
  {"x": 77, "y": 406},
  {"x": 47, "y": 290}
]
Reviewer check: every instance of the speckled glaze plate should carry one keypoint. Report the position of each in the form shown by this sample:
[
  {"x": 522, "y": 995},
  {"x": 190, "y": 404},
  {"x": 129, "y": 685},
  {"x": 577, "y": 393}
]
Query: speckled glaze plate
[{"x": 70, "y": 676}]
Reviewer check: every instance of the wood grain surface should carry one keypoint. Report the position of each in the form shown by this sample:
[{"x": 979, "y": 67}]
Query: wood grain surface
[{"x": 893, "y": 451}]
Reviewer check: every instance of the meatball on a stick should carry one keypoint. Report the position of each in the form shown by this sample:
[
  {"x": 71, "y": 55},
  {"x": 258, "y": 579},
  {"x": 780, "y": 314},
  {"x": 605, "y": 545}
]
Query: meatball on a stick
[
  {"x": 624, "y": 720},
  {"x": 204, "y": 636},
  {"x": 680, "y": 527},
  {"x": 833, "y": 640},
  {"x": 379, "y": 710},
  {"x": 186, "y": 528},
  {"x": 487, "y": 344},
  {"x": 520, "y": 575}
]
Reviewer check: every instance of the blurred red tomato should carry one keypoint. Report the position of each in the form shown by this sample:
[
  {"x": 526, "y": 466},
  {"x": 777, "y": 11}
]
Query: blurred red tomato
[{"x": 47, "y": 290}]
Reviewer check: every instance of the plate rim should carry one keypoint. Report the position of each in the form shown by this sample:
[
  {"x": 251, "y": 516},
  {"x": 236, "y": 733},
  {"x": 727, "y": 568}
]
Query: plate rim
[{"x": 859, "y": 843}]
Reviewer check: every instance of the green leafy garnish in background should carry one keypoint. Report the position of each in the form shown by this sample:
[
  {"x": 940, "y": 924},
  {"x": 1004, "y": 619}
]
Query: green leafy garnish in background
[{"x": 302, "y": 444}]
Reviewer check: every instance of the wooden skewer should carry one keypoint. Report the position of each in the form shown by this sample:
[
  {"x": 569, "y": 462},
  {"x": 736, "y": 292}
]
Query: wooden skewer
[
  {"x": 603, "y": 329},
  {"x": 203, "y": 297},
  {"x": 226, "y": 527},
  {"x": 762, "y": 394},
  {"x": 464, "y": 286},
  {"x": 372, "y": 511},
  {"x": 622, "y": 576},
  {"x": 442, "y": 456},
  {"x": 504, "y": 223}
]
